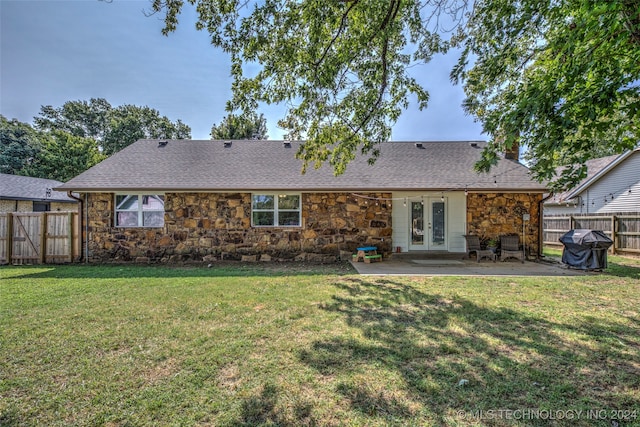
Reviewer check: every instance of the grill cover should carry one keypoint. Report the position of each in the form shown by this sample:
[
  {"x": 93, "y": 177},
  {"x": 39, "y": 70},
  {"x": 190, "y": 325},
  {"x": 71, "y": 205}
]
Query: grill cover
[{"x": 585, "y": 249}]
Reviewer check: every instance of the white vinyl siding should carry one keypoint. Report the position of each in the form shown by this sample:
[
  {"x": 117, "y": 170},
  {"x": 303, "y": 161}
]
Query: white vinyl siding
[
  {"x": 597, "y": 198},
  {"x": 456, "y": 211}
]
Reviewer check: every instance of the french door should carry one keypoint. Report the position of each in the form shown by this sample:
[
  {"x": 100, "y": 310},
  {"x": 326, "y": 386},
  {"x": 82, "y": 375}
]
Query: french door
[{"x": 427, "y": 224}]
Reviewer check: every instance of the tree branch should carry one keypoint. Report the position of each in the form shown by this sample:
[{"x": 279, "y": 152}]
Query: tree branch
[{"x": 343, "y": 25}]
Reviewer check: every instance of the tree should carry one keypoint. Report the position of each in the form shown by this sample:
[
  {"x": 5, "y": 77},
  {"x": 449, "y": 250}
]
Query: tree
[
  {"x": 556, "y": 74},
  {"x": 113, "y": 128},
  {"x": 64, "y": 156},
  {"x": 79, "y": 118},
  {"x": 20, "y": 144},
  {"x": 128, "y": 123},
  {"x": 55, "y": 155},
  {"x": 560, "y": 77},
  {"x": 244, "y": 126},
  {"x": 341, "y": 66}
]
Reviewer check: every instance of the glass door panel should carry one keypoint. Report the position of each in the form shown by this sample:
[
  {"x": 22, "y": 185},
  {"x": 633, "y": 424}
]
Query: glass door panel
[
  {"x": 437, "y": 238},
  {"x": 417, "y": 224}
]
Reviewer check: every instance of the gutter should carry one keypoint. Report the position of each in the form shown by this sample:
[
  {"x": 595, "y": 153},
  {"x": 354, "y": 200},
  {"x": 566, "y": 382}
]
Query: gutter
[
  {"x": 86, "y": 223},
  {"x": 541, "y": 223}
]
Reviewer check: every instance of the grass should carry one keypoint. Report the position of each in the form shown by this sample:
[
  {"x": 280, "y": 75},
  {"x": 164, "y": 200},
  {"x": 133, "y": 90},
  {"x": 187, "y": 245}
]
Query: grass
[
  {"x": 270, "y": 345},
  {"x": 617, "y": 265}
]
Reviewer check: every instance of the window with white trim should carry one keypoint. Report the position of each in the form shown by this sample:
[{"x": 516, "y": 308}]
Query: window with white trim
[
  {"x": 139, "y": 210},
  {"x": 276, "y": 210}
]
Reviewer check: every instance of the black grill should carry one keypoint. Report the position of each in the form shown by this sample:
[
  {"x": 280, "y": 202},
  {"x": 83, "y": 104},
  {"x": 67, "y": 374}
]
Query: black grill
[{"x": 585, "y": 249}]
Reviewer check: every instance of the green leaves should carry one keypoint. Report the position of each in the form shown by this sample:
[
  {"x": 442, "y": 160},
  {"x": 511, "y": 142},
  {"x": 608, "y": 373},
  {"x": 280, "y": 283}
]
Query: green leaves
[
  {"x": 244, "y": 126},
  {"x": 54, "y": 155},
  {"x": 340, "y": 66},
  {"x": 562, "y": 75},
  {"x": 114, "y": 128},
  {"x": 558, "y": 77},
  {"x": 70, "y": 139},
  {"x": 64, "y": 156},
  {"x": 19, "y": 146}
]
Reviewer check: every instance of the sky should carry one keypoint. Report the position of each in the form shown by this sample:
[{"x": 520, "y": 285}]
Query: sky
[{"x": 54, "y": 51}]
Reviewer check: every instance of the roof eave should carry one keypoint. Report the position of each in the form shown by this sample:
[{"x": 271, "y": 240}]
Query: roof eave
[
  {"x": 316, "y": 189},
  {"x": 588, "y": 183},
  {"x": 36, "y": 199}
]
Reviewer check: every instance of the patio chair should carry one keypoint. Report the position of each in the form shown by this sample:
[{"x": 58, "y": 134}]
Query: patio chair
[
  {"x": 473, "y": 245},
  {"x": 510, "y": 248}
]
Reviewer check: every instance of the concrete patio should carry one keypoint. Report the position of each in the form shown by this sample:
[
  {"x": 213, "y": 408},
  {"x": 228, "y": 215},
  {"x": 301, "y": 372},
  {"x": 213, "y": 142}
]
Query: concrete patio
[{"x": 447, "y": 264}]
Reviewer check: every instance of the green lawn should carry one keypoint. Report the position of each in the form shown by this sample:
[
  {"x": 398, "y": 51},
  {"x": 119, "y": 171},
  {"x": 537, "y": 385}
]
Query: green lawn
[{"x": 290, "y": 346}]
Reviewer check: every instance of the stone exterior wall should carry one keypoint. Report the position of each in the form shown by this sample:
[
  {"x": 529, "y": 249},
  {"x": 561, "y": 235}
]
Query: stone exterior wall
[
  {"x": 490, "y": 215},
  {"x": 211, "y": 226}
]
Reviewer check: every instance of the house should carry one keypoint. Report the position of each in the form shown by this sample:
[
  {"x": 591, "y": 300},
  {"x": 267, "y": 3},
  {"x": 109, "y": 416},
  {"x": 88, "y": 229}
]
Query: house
[
  {"x": 612, "y": 186},
  {"x": 181, "y": 199},
  {"x": 27, "y": 194}
]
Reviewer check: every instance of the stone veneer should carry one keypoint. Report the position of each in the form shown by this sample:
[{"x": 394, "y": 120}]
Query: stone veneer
[
  {"x": 209, "y": 226},
  {"x": 490, "y": 215}
]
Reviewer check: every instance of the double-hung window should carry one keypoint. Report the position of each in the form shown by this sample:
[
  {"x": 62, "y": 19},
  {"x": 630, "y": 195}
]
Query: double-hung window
[
  {"x": 275, "y": 210},
  {"x": 139, "y": 210}
]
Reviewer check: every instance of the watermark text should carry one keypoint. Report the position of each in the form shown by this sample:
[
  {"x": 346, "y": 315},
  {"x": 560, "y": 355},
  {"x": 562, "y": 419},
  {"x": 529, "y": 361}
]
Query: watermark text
[{"x": 550, "y": 414}]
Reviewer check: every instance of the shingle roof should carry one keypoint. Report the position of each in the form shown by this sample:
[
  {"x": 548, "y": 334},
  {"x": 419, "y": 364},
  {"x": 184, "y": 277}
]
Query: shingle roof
[
  {"x": 15, "y": 187},
  {"x": 185, "y": 165}
]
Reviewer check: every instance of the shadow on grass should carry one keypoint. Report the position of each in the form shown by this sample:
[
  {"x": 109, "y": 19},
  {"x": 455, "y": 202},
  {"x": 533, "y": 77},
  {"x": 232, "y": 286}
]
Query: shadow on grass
[
  {"x": 617, "y": 265},
  {"x": 263, "y": 409},
  {"x": 220, "y": 269},
  {"x": 623, "y": 270},
  {"x": 426, "y": 343}
]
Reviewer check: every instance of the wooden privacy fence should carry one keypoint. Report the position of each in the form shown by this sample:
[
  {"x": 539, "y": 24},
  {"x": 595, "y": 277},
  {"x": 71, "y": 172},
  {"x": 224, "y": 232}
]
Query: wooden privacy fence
[
  {"x": 623, "y": 229},
  {"x": 38, "y": 238}
]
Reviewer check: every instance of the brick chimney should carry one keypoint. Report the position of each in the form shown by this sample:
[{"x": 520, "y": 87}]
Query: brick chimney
[{"x": 513, "y": 153}]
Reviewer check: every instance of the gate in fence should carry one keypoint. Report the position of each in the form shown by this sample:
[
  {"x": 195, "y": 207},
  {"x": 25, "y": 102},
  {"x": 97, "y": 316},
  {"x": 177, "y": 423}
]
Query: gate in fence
[
  {"x": 623, "y": 229},
  {"x": 38, "y": 238}
]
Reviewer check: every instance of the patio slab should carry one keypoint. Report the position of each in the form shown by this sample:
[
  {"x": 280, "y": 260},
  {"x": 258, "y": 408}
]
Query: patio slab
[{"x": 446, "y": 264}]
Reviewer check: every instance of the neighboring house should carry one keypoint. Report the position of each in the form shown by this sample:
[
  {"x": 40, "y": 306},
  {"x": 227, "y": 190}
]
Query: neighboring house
[
  {"x": 180, "y": 199},
  {"x": 612, "y": 186},
  {"x": 27, "y": 194}
]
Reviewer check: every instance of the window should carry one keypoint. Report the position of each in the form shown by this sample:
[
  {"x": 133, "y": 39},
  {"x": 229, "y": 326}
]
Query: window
[
  {"x": 41, "y": 206},
  {"x": 270, "y": 210},
  {"x": 139, "y": 210}
]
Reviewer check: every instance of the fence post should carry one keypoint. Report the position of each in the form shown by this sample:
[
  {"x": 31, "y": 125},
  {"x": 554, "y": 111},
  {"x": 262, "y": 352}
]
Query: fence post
[
  {"x": 614, "y": 229},
  {"x": 9, "y": 238},
  {"x": 571, "y": 222},
  {"x": 43, "y": 237}
]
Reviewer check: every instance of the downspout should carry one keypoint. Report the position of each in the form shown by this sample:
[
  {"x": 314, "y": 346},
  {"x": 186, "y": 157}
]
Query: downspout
[
  {"x": 81, "y": 207},
  {"x": 541, "y": 223}
]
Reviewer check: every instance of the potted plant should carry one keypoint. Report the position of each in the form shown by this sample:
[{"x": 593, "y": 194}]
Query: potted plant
[{"x": 492, "y": 245}]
